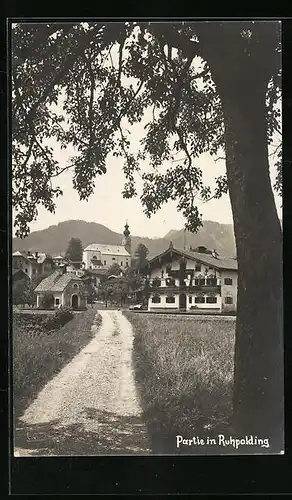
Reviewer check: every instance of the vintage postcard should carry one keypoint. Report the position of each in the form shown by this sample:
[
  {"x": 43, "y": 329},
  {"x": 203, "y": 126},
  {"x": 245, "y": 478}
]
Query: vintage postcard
[{"x": 146, "y": 254}]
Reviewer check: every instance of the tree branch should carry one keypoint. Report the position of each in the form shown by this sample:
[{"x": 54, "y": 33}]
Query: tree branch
[{"x": 66, "y": 65}]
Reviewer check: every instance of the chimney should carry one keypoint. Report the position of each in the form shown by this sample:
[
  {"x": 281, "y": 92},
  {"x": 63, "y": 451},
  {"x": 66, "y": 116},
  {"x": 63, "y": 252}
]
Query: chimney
[
  {"x": 215, "y": 254},
  {"x": 62, "y": 269}
]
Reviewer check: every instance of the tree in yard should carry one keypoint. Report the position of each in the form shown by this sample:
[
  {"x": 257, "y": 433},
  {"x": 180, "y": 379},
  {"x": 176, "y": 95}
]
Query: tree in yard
[
  {"x": 19, "y": 290},
  {"x": 114, "y": 270},
  {"x": 47, "y": 300},
  {"x": 141, "y": 253},
  {"x": 74, "y": 251},
  {"x": 201, "y": 87}
]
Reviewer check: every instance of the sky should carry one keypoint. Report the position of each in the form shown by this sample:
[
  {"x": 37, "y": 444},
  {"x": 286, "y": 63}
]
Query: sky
[{"x": 107, "y": 206}]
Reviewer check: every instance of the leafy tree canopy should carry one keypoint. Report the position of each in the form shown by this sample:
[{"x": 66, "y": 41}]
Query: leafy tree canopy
[
  {"x": 86, "y": 84},
  {"x": 141, "y": 253},
  {"x": 114, "y": 270}
]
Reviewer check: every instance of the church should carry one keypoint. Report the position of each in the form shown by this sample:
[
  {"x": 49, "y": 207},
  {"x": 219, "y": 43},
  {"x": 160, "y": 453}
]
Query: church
[{"x": 98, "y": 256}]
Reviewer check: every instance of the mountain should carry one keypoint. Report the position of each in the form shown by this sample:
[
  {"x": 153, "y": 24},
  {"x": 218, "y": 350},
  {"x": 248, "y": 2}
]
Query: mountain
[
  {"x": 54, "y": 239},
  {"x": 212, "y": 235}
]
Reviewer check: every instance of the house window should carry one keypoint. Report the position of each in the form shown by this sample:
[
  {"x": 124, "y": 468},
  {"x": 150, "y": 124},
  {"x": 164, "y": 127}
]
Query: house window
[
  {"x": 198, "y": 267},
  {"x": 211, "y": 281},
  {"x": 211, "y": 300},
  {"x": 228, "y": 300},
  {"x": 114, "y": 258},
  {"x": 170, "y": 282},
  {"x": 104, "y": 262},
  {"x": 190, "y": 299},
  {"x": 33, "y": 271},
  {"x": 170, "y": 300},
  {"x": 57, "y": 301},
  {"x": 26, "y": 270},
  {"x": 156, "y": 299},
  {"x": 196, "y": 282},
  {"x": 202, "y": 281},
  {"x": 200, "y": 300},
  {"x": 227, "y": 281},
  {"x": 122, "y": 263},
  {"x": 75, "y": 285},
  {"x": 156, "y": 282},
  {"x": 94, "y": 257}
]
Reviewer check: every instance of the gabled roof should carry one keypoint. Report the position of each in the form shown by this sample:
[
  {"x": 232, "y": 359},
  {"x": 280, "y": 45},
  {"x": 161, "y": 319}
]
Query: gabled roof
[
  {"x": 97, "y": 272},
  {"x": 217, "y": 263},
  {"x": 32, "y": 257},
  {"x": 56, "y": 282},
  {"x": 19, "y": 271},
  {"x": 108, "y": 249}
]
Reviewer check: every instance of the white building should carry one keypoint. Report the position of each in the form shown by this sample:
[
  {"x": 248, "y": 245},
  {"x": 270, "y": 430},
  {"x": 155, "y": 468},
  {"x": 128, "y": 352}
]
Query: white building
[
  {"x": 190, "y": 280},
  {"x": 102, "y": 256}
]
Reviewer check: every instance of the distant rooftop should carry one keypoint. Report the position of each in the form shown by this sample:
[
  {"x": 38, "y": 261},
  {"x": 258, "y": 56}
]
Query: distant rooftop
[
  {"x": 205, "y": 258},
  {"x": 108, "y": 249},
  {"x": 56, "y": 282}
]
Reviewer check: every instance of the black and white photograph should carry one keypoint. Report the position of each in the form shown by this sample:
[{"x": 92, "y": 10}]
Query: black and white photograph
[{"x": 146, "y": 248}]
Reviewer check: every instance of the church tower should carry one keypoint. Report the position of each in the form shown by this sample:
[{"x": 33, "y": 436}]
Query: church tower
[{"x": 127, "y": 238}]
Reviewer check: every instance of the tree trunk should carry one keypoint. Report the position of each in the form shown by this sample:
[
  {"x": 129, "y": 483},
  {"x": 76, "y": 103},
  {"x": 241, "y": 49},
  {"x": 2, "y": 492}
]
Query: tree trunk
[
  {"x": 259, "y": 384},
  {"x": 258, "y": 403}
]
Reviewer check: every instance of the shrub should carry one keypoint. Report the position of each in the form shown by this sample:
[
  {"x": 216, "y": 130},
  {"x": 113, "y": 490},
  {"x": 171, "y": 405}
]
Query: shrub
[
  {"x": 63, "y": 315},
  {"x": 60, "y": 317},
  {"x": 47, "y": 300}
]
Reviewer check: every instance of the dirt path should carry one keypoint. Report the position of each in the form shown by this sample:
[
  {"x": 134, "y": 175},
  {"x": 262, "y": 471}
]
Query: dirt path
[{"x": 91, "y": 406}]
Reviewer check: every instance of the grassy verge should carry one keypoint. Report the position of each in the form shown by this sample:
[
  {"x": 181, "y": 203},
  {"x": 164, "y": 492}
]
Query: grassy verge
[
  {"x": 39, "y": 354},
  {"x": 184, "y": 372}
]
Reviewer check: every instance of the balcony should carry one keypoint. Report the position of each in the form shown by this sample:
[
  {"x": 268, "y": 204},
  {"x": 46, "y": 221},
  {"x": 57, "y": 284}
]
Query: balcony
[
  {"x": 194, "y": 285},
  {"x": 205, "y": 288}
]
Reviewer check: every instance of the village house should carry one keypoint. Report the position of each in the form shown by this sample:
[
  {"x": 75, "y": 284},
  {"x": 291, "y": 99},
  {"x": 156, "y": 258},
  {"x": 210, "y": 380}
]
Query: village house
[
  {"x": 65, "y": 288},
  {"x": 58, "y": 259},
  {"x": 32, "y": 263},
  {"x": 191, "y": 280},
  {"x": 75, "y": 267},
  {"x": 98, "y": 256}
]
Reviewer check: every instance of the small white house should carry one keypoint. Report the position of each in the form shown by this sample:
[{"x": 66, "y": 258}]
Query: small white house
[{"x": 66, "y": 289}]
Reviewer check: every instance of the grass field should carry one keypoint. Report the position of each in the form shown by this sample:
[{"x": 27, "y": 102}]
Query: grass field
[
  {"x": 38, "y": 355},
  {"x": 184, "y": 371}
]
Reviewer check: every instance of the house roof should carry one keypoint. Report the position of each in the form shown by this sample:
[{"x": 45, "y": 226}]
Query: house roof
[
  {"x": 40, "y": 258},
  {"x": 33, "y": 258},
  {"x": 108, "y": 249},
  {"x": 219, "y": 263},
  {"x": 56, "y": 282},
  {"x": 97, "y": 272},
  {"x": 19, "y": 271}
]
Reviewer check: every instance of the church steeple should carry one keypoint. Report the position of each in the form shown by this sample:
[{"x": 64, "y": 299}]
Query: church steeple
[{"x": 127, "y": 238}]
